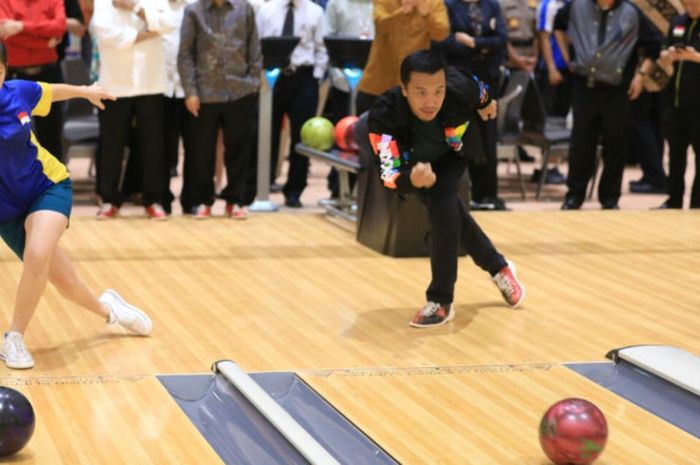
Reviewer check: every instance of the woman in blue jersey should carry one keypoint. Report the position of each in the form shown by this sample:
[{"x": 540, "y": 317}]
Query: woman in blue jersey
[{"x": 35, "y": 204}]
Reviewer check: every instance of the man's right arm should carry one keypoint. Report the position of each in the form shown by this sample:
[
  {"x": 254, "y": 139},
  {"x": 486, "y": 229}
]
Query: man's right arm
[{"x": 186, "y": 63}]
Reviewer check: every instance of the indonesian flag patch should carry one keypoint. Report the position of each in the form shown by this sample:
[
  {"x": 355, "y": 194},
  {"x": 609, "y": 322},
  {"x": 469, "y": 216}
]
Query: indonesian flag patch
[
  {"x": 24, "y": 118},
  {"x": 679, "y": 32}
]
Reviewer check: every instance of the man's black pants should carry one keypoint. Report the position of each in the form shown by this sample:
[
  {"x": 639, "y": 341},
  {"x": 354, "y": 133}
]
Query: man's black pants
[{"x": 450, "y": 225}]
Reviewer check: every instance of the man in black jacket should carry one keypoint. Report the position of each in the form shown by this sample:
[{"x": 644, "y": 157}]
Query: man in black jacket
[
  {"x": 416, "y": 131},
  {"x": 683, "y": 122},
  {"x": 605, "y": 37}
]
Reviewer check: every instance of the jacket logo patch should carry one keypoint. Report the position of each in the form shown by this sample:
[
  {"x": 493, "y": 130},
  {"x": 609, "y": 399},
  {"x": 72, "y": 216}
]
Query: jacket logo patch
[{"x": 24, "y": 118}]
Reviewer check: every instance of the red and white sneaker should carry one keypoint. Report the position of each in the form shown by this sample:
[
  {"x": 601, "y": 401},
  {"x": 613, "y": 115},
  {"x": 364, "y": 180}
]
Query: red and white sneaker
[
  {"x": 433, "y": 314},
  {"x": 155, "y": 212},
  {"x": 202, "y": 212},
  {"x": 107, "y": 211},
  {"x": 511, "y": 288},
  {"x": 236, "y": 212}
]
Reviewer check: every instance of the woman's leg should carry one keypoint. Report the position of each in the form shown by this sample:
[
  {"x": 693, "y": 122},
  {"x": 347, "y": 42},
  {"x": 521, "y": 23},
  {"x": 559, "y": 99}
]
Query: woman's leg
[
  {"x": 64, "y": 278},
  {"x": 44, "y": 229}
]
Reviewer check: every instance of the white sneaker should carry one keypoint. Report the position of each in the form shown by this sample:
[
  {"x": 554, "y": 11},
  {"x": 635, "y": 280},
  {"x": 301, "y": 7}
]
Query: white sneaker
[
  {"x": 14, "y": 353},
  {"x": 126, "y": 315}
]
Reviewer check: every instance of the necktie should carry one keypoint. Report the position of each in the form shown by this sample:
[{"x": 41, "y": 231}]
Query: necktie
[{"x": 288, "y": 28}]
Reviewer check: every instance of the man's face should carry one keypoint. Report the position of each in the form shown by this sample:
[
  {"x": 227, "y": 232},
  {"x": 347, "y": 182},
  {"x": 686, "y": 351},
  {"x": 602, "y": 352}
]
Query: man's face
[
  {"x": 692, "y": 7},
  {"x": 425, "y": 94}
]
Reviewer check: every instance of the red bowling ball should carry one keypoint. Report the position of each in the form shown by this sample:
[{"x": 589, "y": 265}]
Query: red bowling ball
[
  {"x": 345, "y": 133},
  {"x": 573, "y": 432}
]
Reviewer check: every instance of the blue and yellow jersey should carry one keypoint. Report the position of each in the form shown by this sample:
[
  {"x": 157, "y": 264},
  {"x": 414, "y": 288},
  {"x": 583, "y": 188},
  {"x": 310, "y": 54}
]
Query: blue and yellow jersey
[{"x": 27, "y": 169}]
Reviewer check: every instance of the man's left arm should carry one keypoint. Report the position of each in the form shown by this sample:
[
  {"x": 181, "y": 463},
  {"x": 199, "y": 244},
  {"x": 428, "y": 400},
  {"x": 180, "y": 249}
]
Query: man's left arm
[
  {"x": 649, "y": 42},
  {"x": 254, "y": 47},
  {"x": 46, "y": 26},
  {"x": 498, "y": 40}
]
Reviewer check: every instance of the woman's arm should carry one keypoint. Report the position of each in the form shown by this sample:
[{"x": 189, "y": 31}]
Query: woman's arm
[{"x": 94, "y": 93}]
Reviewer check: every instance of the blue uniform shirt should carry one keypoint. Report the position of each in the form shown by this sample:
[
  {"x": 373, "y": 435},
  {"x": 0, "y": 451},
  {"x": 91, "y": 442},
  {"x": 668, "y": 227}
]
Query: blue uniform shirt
[{"x": 27, "y": 169}]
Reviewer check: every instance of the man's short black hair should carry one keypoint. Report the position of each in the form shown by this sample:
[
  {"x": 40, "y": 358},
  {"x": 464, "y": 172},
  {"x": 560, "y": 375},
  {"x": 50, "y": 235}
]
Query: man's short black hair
[
  {"x": 422, "y": 61},
  {"x": 3, "y": 54}
]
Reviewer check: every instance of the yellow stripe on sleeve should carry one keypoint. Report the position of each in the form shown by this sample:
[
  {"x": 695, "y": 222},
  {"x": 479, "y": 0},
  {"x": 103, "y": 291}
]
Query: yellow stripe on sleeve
[
  {"x": 43, "y": 107},
  {"x": 52, "y": 168}
]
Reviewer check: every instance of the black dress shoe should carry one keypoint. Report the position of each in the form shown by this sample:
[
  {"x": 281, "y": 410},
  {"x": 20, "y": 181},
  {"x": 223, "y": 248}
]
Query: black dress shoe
[
  {"x": 643, "y": 187},
  {"x": 489, "y": 204},
  {"x": 292, "y": 201},
  {"x": 610, "y": 206},
  {"x": 571, "y": 203},
  {"x": 524, "y": 156},
  {"x": 668, "y": 205}
]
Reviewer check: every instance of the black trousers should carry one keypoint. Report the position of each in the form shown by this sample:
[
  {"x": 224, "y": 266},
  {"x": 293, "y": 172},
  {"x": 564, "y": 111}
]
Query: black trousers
[
  {"x": 600, "y": 113},
  {"x": 145, "y": 112},
  {"x": 234, "y": 119},
  {"x": 297, "y": 96},
  {"x": 363, "y": 102},
  {"x": 682, "y": 128},
  {"x": 485, "y": 175},
  {"x": 646, "y": 137},
  {"x": 450, "y": 225},
  {"x": 557, "y": 99},
  {"x": 175, "y": 126},
  {"x": 340, "y": 107},
  {"x": 48, "y": 129}
]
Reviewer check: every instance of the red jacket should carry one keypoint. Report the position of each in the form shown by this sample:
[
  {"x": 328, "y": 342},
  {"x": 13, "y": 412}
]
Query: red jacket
[{"x": 43, "y": 20}]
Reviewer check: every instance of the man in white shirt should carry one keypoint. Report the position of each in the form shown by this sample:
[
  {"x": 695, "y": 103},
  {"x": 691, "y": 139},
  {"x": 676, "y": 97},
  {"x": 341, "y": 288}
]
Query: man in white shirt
[
  {"x": 296, "y": 91},
  {"x": 132, "y": 68}
]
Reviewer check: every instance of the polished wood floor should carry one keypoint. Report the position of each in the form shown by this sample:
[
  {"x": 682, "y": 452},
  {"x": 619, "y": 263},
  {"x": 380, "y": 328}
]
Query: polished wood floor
[{"x": 292, "y": 292}]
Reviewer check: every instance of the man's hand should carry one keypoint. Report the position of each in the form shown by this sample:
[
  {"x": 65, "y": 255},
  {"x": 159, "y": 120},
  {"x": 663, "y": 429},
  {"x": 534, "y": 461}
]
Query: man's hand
[
  {"x": 407, "y": 6},
  {"x": 490, "y": 111},
  {"x": 192, "y": 105},
  {"x": 422, "y": 175},
  {"x": 145, "y": 35},
  {"x": 687, "y": 54},
  {"x": 554, "y": 76},
  {"x": 96, "y": 94},
  {"x": 423, "y": 7},
  {"x": 10, "y": 27},
  {"x": 126, "y": 5},
  {"x": 465, "y": 39},
  {"x": 53, "y": 42},
  {"x": 636, "y": 87},
  {"x": 75, "y": 27}
]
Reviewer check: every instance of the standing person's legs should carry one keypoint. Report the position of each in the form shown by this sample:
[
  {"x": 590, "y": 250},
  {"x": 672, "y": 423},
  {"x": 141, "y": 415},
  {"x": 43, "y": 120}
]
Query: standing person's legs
[
  {"x": 204, "y": 129},
  {"x": 149, "y": 129},
  {"x": 363, "y": 102},
  {"x": 283, "y": 93},
  {"x": 614, "y": 107},
  {"x": 485, "y": 176},
  {"x": 677, "y": 132},
  {"x": 237, "y": 136},
  {"x": 191, "y": 150},
  {"x": 115, "y": 128},
  {"x": 303, "y": 106},
  {"x": 646, "y": 142},
  {"x": 584, "y": 142},
  {"x": 694, "y": 123}
]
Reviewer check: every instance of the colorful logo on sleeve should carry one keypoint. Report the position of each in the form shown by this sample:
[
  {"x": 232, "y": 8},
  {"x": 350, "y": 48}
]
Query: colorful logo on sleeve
[
  {"x": 388, "y": 152},
  {"x": 679, "y": 32},
  {"x": 24, "y": 118}
]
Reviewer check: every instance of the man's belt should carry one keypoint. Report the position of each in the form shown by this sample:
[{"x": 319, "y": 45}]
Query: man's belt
[{"x": 30, "y": 70}]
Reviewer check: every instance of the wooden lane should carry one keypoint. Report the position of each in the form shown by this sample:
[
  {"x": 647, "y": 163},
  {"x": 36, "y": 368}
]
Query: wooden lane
[
  {"x": 107, "y": 420},
  {"x": 287, "y": 292},
  {"x": 489, "y": 415}
]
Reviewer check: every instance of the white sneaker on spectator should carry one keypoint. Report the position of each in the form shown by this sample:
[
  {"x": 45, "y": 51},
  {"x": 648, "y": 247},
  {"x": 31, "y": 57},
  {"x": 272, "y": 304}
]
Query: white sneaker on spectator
[
  {"x": 14, "y": 353},
  {"x": 125, "y": 315}
]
